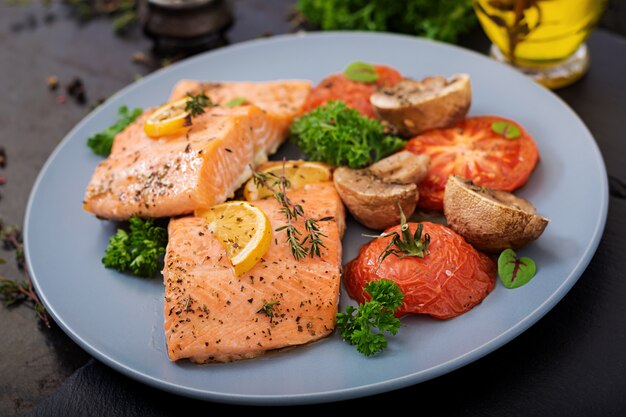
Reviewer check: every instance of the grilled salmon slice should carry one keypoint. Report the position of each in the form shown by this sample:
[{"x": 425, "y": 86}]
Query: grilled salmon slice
[
  {"x": 178, "y": 174},
  {"x": 281, "y": 100},
  {"x": 213, "y": 316}
]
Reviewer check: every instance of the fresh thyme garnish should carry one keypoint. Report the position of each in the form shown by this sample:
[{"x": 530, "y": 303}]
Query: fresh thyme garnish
[
  {"x": 408, "y": 244},
  {"x": 196, "y": 104},
  {"x": 268, "y": 309},
  {"x": 292, "y": 211}
]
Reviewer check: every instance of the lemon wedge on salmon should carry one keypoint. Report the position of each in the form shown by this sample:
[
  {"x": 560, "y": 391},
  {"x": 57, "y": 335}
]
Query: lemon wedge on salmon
[
  {"x": 243, "y": 229},
  {"x": 298, "y": 173},
  {"x": 168, "y": 119}
]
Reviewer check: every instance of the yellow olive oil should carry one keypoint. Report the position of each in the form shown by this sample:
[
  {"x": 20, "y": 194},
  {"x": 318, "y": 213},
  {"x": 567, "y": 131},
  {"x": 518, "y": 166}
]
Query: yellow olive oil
[{"x": 535, "y": 31}]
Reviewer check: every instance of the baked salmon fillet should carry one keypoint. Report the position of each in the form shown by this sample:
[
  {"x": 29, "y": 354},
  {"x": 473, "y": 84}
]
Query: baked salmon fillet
[
  {"x": 281, "y": 100},
  {"x": 213, "y": 316},
  {"x": 178, "y": 174}
]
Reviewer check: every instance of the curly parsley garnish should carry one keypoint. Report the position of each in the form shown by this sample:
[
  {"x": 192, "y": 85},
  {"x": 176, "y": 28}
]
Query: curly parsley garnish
[
  {"x": 444, "y": 20},
  {"x": 138, "y": 250},
  {"x": 102, "y": 142},
  {"x": 365, "y": 326},
  {"x": 339, "y": 135}
]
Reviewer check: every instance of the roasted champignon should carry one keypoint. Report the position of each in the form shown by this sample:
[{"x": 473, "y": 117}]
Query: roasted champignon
[
  {"x": 372, "y": 194},
  {"x": 491, "y": 220},
  {"x": 411, "y": 107}
]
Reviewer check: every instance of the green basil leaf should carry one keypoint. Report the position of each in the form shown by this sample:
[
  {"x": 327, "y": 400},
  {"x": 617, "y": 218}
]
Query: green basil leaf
[
  {"x": 236, "y": 102},
  {"x": 361, "y": 72},
  {"x": 515, "y": 272},
  {"x": 508, "y": 130}
]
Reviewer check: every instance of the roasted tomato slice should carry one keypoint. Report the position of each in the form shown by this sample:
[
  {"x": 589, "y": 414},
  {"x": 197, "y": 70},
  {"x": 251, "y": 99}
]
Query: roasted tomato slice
[
  {"x": 449, "y": 281},
  {"x": 473, "y": 149},
  {"x": 355, "y": 94}
]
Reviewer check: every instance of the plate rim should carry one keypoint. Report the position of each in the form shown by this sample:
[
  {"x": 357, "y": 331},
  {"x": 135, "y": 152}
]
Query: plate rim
[{"x": 346, "y": 393}]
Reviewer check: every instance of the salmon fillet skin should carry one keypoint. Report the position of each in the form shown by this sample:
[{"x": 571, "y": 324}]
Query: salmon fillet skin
[
  {"x": 282, "y": 101},
  {"x": 213, "y": 316}
]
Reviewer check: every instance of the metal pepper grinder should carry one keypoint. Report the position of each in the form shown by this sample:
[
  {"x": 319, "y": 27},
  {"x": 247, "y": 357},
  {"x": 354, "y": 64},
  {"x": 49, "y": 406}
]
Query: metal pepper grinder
[{"x": 185, "y": 26}]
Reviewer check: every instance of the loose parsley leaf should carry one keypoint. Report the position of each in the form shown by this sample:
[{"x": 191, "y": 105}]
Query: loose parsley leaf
[
  {"x": 102, "y": 142},
  {"x": 508, "y": 130},
  {"x": 236, "y": 102},
  {"x": 515, "y": 272},
  {"x": 339, "y": 135},
  {"x": 361, "y": 72},
  {"x": 138, "y": 250},
  {"x": 365, "y": 326}
]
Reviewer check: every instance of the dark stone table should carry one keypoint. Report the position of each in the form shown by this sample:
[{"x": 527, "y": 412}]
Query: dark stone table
[{"x": 574, "y": 359}]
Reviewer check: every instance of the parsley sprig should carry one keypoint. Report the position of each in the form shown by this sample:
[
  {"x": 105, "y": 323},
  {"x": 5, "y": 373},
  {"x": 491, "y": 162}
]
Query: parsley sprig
[
  {"x": 137, "y": 250},
  {"x": 301, "y": 247},
  {"x": 102, "y": 142},
  {"x": 365, "y": 326},
  {"x": 444, "y": 20},
  {"x": 339, "y": 135}
]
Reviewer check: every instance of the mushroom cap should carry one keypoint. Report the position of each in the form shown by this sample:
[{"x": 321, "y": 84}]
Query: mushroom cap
[
  {"x": 490, "y": 220},
  {"x": 371, "y": 201},
  {"x": 412, "y": 107}
]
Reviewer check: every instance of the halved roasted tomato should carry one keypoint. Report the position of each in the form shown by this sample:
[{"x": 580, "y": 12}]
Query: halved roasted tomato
[
  {"x": 489, "y": 150},
  {"x": 354, "y": 93}
]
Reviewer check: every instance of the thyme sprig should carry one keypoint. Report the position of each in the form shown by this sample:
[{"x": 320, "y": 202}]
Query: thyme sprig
[
  {"x": 301, "y": 247},
  {"x": 268, "y": 309},
  {"x": 196, "y": 104},
  {"x": 406, "y": 245}
]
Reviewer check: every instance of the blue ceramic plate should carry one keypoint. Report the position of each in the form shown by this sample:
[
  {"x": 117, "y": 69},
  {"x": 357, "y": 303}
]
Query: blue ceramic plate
[{"x": 118, "y": 318}]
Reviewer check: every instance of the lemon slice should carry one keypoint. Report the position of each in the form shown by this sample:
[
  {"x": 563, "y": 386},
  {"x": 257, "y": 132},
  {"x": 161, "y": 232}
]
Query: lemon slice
[
  {"x": 168, "y": 119},
  {"x": 299, "y": 173},
  {"x": 243, "y": 229}
]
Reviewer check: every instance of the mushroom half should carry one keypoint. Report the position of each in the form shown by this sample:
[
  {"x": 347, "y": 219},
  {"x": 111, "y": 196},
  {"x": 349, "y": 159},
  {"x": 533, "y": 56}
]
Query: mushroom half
[
  {"x": 413, "y": 106},
  {"x": 372, "y": 194},
  {"x": 491, "y": 220}
]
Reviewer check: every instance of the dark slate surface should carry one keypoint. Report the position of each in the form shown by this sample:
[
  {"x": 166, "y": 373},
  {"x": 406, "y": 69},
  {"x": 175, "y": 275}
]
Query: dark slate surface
[{"x": 571, "y": 362}]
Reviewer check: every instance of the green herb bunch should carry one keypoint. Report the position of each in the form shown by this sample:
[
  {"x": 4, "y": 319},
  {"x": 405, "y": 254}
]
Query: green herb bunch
[
  {"x": 137, "y": 250},
  {"x": 364, "y": 327},
  {"x": 443, "y": 20},
  {"x": 102, "y": 142},
  {"x": 339, "y": 135}
]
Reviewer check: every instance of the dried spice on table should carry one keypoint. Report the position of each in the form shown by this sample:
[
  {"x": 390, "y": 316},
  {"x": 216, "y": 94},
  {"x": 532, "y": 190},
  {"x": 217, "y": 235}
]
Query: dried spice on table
[{"x": 14, "y": 292}]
